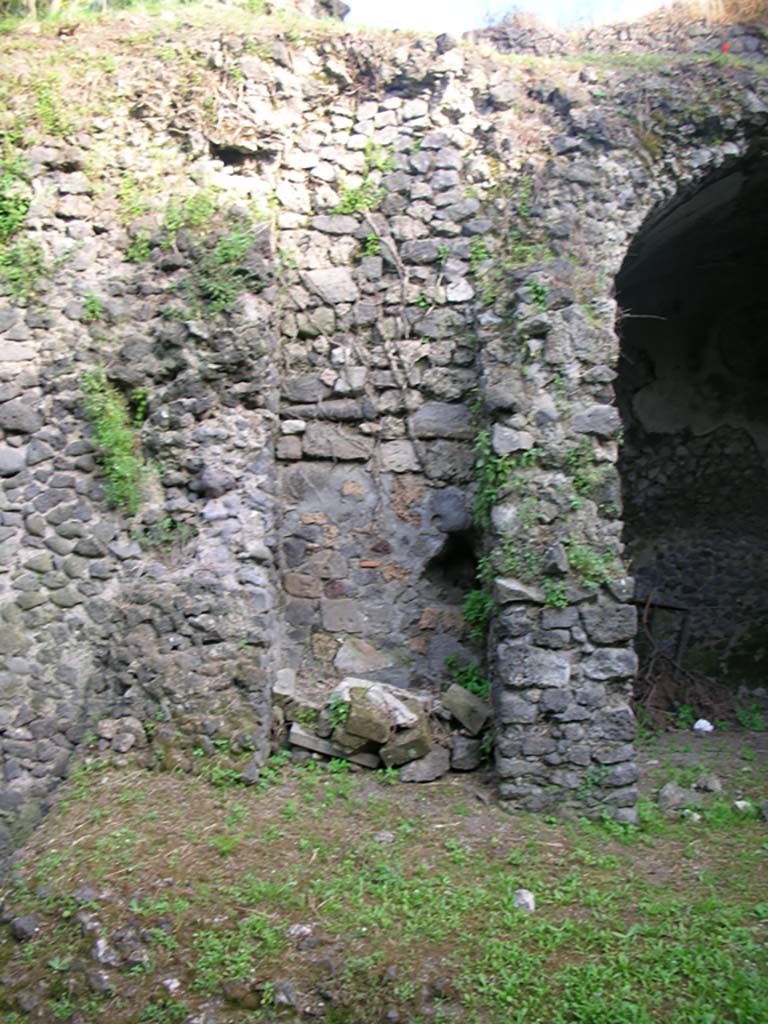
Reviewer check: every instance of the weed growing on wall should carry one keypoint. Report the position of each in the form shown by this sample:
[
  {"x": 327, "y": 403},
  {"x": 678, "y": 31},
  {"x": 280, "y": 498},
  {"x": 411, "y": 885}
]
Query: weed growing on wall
[
  {"x": 367, "y": 195},
  {"x": 14, "y": 193},
  {"x": 23, "y": 268},
  {"x": 471, "y": 677},
  {"x": 193, "y": 213},
  {"x": 585, "y": 474},
  {"x": 220, "y": 275},
  {"x": 360, "y": 199},
  {"x": 117, "y": 438},
  {"x": 478, "y": 608},
  {"x": 592, "y": 567},
  {"x": 372, "y": 245},
  {"x": 495, "y": 474}
]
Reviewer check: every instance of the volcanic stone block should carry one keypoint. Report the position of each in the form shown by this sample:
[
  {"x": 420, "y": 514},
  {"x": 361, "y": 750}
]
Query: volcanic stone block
[
  {"x": 331, "y": 441},
  {"x": 301, "y": 737},
  {"x": 333, "y": 285},
  {"x": 436, "y": 764},
  {"x": 442, "y": 419},
  {"x": 407, "y": 745},
  {"x": 466, "y": 754},
  {"x": 521, "y": 665},
  {"x": 611, "y": 663},
  {"x": 367, "y": 719}
]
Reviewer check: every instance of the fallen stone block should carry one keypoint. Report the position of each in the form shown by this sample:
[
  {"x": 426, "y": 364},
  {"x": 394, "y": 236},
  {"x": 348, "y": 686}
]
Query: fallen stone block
[
  {"x": 466, "y": 754},
  {"x": 300, "y": 737},
  {"x": 466, "y": 708},
  {"x": 436, "y": 764},
  {"x": 407, "y": 745}
]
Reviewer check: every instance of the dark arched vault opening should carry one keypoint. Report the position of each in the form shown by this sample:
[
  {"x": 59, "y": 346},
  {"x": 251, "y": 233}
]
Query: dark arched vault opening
[{"x": 693, "y": 393}]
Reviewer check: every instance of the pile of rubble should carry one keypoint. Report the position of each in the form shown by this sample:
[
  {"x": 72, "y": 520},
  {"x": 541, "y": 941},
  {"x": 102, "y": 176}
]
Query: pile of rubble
[{"x": 376, "y": 725}]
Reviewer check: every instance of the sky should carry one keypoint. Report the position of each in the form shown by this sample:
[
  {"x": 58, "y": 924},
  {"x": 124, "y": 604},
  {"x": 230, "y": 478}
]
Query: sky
[{"x": 457, "y": 16}]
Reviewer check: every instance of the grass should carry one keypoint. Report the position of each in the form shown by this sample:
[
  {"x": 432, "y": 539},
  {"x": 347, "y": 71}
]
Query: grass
[{"x": 368, "y": 899}]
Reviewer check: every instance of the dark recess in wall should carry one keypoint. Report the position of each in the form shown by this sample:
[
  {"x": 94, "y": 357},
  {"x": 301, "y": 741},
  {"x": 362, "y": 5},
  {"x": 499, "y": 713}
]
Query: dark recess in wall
[{"x": 693, "y": 376}]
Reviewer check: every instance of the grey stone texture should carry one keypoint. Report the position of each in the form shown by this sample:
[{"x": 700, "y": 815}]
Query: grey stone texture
[{"x": 342, "y": 541}]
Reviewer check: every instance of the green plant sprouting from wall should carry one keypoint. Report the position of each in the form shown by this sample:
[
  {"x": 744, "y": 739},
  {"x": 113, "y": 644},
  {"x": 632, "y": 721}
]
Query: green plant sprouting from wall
[
  {"x": 23, "y": 264},
  {"x": 495, "y": 474},
  {"x": 478, "y": 607},
  {"x": 592, "y": 567},
  {"x": 468, "y": 675},
  {"x": 520, "y": 242},
  {"x": 23, "y": 268},
  {"x": 221, "y": 275},
  {"x": 584, "y": 473},
  {"x": 14, "y": 191},
  {"x": 116, "y": 435},
  {"x": 369, "y": 193}
]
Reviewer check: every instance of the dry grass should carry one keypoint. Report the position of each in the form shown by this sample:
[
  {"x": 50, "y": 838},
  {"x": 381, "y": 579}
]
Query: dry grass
[{"x": 738, "y": 12}]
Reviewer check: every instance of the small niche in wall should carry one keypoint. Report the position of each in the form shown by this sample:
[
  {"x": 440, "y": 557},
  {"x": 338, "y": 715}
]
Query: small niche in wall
[{"x": 454, "y": 567}]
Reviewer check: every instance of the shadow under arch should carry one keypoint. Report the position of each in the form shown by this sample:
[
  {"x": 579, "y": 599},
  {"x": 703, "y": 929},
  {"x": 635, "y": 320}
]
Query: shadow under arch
[{"x": 692, "y": 388}]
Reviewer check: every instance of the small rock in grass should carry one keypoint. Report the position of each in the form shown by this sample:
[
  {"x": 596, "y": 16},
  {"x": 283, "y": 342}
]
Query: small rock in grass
[
  {"x": 99, "y": 981},
  {"x": 525, "y": 900},
  {"x": 383, "y": 837},
  {"x": 690, "y": 815},
  {"x": 103, "y": 953},
  {"x": 25, "y": 928},
  {"x": 702, "y": 725},
  {"x": 708, "y": 783},
  {"x": 672, "y": 797},
  {"x": 743, "y": 806},
  {"x": 285, "y": 994}
]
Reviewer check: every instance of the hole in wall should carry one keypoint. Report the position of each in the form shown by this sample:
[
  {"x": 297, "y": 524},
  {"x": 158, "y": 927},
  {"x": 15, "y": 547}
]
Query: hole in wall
[
  {"x": 231, "y": 156},
  {"x": 692, "y": 385},
  {"x": 453, "y": 569}
]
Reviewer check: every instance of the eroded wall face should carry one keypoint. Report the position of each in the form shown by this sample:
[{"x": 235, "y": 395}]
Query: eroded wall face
[
  {"x": 693, "y": 467},
  {"x": 408, "y": 395},
  {"x": 380, "y": 368}
]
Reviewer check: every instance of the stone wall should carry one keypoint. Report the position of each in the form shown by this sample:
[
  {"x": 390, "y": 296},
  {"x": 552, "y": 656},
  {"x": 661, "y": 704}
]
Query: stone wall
[
  {"x": 412, "y": 397},
  {"x": 672, "y": 32}
]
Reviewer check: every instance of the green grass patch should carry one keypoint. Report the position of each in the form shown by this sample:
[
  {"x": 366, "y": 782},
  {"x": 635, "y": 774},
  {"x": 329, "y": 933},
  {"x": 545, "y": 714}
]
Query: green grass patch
[{"x": 390, "y": 898}]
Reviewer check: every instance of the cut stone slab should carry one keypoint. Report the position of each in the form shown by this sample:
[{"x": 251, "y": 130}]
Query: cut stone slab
[
  {"x": 505, "y": 440},
  {"x": 407, "y": 745},
  {"x": 436, "y": 764},
  {"x": 18, "y": 418},
  {"x": 602, "y": 420},
  {"x": 11, "y": 461},
  {"x": 442, "y": 419},
  {"x": 466, "y": 708},
  {"x": 332, "y": 441},
  {"x": 301, "y": 737}
]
